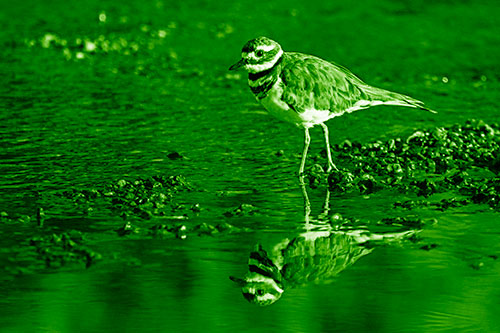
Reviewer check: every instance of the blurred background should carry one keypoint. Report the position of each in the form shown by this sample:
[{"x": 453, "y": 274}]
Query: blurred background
[{"x": 97, "y": 91}]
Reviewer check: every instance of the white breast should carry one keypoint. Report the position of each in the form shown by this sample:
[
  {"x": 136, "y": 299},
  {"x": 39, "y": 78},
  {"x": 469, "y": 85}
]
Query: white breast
[
  {"x": 311, "y": 117},
  {"x": 277, "y": 108}
]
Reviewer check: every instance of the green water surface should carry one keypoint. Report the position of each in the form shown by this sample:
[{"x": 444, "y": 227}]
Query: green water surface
[{"x": 94, "y": 92}]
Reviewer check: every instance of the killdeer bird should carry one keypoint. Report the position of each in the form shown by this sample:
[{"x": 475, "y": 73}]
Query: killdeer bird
[
  {"x": 306, "y": 90},
  {"x": 313, "y": 257}
]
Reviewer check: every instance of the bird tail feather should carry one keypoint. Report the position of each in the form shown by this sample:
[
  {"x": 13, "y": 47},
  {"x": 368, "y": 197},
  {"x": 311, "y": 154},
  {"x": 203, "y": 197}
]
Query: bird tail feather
[{"x": 379, "y": 96}]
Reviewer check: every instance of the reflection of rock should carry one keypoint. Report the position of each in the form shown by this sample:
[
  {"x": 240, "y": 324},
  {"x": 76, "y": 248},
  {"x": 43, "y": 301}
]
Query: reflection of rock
[{"x": 312, "y": 257}]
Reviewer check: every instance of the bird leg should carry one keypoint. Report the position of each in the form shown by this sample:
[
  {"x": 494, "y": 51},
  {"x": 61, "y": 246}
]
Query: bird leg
[
  {"x": 307, "y": 140},
  {"x": 307, "y": 204},
  {"x": 331, "y": 166},
  {"x": 326, "y": 206}
]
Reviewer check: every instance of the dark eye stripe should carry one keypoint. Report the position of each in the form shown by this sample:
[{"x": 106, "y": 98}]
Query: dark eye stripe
[{"x": 267, "y": 57}]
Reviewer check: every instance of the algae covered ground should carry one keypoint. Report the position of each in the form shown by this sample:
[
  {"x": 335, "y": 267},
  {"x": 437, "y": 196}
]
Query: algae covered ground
[{"x": 138, "y": 174}]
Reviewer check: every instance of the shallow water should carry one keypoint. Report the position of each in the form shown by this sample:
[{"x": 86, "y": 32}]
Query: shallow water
[{"x": 75, "y": 117}]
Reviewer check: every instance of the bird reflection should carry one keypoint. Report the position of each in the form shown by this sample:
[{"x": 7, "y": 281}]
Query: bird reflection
[{"x": 315, "y": 256}]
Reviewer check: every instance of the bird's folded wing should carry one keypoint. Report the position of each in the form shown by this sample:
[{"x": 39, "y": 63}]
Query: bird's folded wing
[{"x": 313, "y": 83}]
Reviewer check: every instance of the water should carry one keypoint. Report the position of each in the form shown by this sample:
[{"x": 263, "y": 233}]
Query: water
[{"x": 75, "y": 117}]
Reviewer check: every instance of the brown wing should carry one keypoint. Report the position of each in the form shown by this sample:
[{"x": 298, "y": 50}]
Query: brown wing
[{"x": 311, "y": 82}]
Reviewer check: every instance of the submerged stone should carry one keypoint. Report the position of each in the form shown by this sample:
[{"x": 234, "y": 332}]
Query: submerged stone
[
  {"x": 175, "y": 156},
  {"x": 127, "y": 229},
  {"x": 242, "y": 210},
  {"x": 205, "y": 228},
  {"x": 51, "y": 250},
  {"x": 142, "y": 197},
  {"x": 429, "y": 247}
]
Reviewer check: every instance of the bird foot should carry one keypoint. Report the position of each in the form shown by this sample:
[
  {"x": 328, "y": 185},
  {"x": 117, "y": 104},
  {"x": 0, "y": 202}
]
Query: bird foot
[{"x": 331, "y": 167}]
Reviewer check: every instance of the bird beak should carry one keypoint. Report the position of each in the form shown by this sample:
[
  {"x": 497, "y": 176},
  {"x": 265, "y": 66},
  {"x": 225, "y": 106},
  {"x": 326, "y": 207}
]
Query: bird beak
[
  {"x": 237, "y": 65},
  {"x": 238, "y": 281}
]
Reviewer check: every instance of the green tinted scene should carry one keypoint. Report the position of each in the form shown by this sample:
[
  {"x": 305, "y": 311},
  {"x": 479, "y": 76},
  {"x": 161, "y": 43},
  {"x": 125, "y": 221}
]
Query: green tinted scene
[{"x": 144, "y": 188}]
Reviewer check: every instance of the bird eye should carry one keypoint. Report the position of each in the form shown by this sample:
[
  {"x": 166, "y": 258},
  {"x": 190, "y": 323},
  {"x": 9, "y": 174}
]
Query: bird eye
[{"x": 259, "y": 53}]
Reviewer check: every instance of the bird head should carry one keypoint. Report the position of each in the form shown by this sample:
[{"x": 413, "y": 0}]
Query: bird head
[
  {"x": 258, "y": 289},
  {"x": 263, "y": 283},
  {"x": 258, "y": 55}
]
